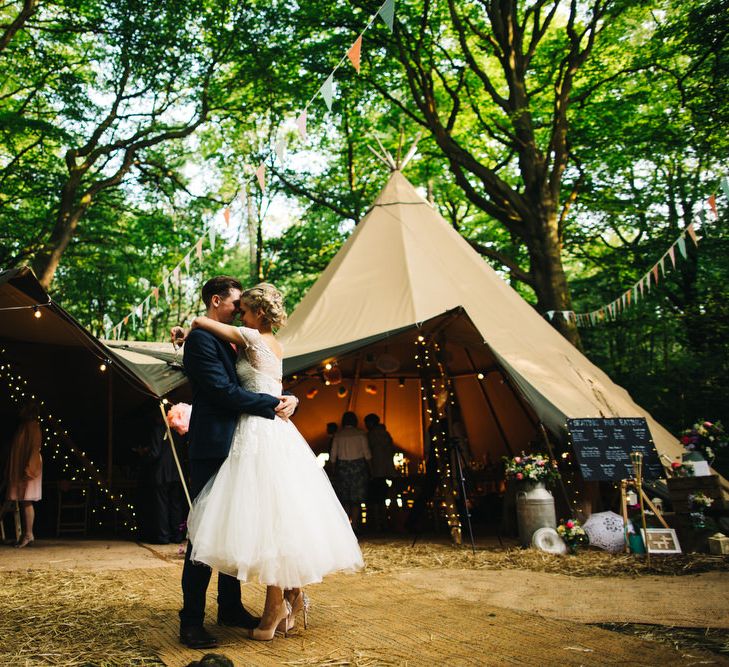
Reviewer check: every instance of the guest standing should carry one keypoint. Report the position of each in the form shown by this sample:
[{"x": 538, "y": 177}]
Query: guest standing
[
  {"x": 351, "y": 458},
  {"x": 25, "y": 469},
  {"x": 382, "y": 468}
]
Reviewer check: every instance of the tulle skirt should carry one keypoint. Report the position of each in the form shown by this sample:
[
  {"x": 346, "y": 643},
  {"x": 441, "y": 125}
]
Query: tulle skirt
[{"x": 270, "y": 514}]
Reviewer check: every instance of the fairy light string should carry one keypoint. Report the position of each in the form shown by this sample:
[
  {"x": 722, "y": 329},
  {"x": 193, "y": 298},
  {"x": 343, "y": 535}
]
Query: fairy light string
[{"x": 57, "y": 441}]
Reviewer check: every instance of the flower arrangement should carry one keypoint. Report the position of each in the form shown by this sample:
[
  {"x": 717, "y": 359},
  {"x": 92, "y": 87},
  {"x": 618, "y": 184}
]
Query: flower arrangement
[
  {"x": 705, "y": 437},
  {"x": 178, "y": 417},
  {"x": 572, "y": 533},
  {"x": 680, "y": 470},
  {"x": 531, "y": 468},
  {"x": 698, "y": 504}
]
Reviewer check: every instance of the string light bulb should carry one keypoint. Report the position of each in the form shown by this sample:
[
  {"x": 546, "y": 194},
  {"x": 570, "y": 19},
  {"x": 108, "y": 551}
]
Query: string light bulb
[{"x": 36, "y": 312}]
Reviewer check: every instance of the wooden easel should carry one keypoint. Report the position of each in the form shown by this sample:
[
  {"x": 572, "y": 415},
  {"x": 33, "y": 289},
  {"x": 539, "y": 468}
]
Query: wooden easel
[{"x": 636, "y": 458}]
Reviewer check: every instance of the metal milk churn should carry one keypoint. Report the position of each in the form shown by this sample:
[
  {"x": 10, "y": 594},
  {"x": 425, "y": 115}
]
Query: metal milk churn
[{"x": 534, "y": 510}]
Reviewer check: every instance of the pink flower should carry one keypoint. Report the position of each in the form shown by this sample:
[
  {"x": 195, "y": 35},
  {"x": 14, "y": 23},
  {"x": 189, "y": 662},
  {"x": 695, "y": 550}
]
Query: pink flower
[
  {"x": 570, "y": 524},
  {"x": 519, "y": 476},
  {"x": 178, "y": 417},
  {"x": 540, "y": 463},
  {"x": 708, "y": 424},
  {"x": 517, "y": 459}
]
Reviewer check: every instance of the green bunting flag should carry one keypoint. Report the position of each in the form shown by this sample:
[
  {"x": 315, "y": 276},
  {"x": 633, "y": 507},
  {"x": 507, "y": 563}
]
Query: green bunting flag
[
  {"x": 387, "y": 12},
  {"x": 724, "y": 183},
  {"x": 327, "y": 91},
  {"x": 682, "y": 246},
  {"x": 211, "y": 236}
]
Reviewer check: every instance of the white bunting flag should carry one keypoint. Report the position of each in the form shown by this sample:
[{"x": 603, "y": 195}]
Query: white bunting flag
[
  {"x": 301, "y": 125},
  {"x": 261, "y": 176},
  {"x": 211, "y": 237},
  {"x": 187, "y": 263},
  {"x": 327, "y": 91},
  {"x": 281, "y": 150}
]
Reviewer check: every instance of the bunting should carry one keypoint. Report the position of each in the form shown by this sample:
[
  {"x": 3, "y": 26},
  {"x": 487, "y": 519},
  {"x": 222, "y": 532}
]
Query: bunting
[{"x": 355, "y": 53}]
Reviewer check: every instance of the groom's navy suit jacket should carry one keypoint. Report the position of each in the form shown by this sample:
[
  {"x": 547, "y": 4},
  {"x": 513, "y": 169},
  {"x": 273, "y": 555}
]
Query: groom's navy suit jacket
[{"x": 217, "y": 398}]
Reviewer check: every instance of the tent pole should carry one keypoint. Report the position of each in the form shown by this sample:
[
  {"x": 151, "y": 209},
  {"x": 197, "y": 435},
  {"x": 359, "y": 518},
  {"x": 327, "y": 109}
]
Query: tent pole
[
  {"x": 109, "y": 427},
  {"x": 355, "y": 383},
  {"x": 174, "y": 454},
  {"x": 485, "y": 393},
  {"x": 545, "y": 436}
]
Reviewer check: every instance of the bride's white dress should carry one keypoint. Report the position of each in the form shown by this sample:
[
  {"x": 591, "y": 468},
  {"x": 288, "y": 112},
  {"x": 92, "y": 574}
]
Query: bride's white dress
[{"x": 270, "y": 514}]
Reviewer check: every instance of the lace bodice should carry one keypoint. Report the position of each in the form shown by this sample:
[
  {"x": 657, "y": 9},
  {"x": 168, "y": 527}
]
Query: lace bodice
[{"x": 258, "y": 368}]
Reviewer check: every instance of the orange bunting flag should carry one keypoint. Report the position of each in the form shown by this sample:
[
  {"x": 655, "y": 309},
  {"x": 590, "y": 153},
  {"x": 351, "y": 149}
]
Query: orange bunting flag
[
  {"x": 125, "y": 320},
  {"x": 198, "y": 249},
  {"x": 692, "y": 233},
  {"x": 226, "y": 215},
  {"x": 301, "y": 124},
  {"x": 155, "y": 293},
  {"x": 261, "y": 176},
  {"x": 355, "y": 52},
  {"x": 655, "y": 273},
  {"x": 627, "y": 296},
  {"x": 712, "y": 204}
]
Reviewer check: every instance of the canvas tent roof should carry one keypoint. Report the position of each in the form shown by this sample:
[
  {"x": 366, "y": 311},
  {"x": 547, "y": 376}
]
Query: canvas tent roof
[
  {"x": 404, "y": 265},
  {"x": 61, "y": 361}
]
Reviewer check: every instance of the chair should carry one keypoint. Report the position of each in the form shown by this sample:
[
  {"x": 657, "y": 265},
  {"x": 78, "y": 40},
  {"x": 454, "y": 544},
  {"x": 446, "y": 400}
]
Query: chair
[{"x": 73, "y": 507}]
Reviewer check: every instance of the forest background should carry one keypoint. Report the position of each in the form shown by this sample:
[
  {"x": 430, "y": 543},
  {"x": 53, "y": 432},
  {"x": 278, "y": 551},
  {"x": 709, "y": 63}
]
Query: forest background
[{"x": 570, "y": 142}]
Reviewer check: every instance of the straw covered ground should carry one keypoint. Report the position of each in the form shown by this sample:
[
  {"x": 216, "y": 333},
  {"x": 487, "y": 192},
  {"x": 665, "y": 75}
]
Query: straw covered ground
[{"x": 430, "y": 604}]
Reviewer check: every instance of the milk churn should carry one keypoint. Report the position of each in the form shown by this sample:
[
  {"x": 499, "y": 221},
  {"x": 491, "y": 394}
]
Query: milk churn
[{"x": 534, "y": 510}]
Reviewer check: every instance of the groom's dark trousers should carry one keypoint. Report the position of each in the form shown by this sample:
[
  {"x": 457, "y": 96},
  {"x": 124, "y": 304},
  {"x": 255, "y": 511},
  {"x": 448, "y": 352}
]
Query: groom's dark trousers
[{"x": 217, "y": 402}]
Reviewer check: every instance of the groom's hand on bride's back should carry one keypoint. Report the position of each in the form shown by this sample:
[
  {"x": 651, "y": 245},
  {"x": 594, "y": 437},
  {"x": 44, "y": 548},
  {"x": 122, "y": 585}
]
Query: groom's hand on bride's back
[{"x": 286, "y": 406}]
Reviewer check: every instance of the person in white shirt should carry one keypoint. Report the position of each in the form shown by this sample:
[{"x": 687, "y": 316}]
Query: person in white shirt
[{"x": 351, "y": 458}]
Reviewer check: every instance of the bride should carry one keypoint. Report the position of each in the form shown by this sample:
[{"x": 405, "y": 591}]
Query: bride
[{"x": 269, "y": 514}]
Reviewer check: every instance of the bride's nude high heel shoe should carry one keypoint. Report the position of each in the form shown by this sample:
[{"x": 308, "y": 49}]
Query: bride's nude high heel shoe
[
  {"x": 300, "y": 603},
  {"x": 280, "y": 624}
]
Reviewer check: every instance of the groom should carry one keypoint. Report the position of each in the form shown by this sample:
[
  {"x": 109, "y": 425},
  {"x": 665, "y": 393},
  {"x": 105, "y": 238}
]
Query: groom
[{"x": 217, "y": 402}]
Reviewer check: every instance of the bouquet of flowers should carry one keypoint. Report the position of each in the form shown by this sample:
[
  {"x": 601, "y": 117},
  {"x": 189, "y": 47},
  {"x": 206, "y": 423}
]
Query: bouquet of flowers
[
  {"x": 531, "y": 468},
  {"x": 705, "y": 437},
  {"x": 572, "y": 533},
  {"x": 698, "y": 504},
  {"x": 680, "y": 470},
  {"x": 178, "y": 417}
]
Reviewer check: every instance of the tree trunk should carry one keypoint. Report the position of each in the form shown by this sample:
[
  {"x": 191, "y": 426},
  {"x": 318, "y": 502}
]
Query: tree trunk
[{"x": 549, "y": 279}]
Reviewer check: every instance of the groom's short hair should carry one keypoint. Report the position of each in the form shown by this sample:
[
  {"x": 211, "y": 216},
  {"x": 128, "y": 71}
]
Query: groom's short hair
[{"x": 220, "y": 285}]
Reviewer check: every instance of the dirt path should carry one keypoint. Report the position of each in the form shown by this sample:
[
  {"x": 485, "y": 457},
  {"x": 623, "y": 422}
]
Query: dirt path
[{"x": 415, "y": 616}]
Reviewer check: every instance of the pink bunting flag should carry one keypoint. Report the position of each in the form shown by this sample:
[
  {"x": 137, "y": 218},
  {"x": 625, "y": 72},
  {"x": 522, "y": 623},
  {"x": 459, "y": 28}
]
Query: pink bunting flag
[
  {"x": 712, "y": 205},
  {"x": 226, "y": 215},
  {"x": 187, "y": 263},
  {"x": 155, "y": 293},
  {"x": 655, "y": 272},
  {"x": 261, "y": 176},
  {"x": 198, "y": 249},
  {"x": 301, "y": 124},
  {"x": 176, "y": 274},
  {"x": 355, "y": 53},
  {"x": 692, "y": 233},
  {"x": 672, "y": 255}
]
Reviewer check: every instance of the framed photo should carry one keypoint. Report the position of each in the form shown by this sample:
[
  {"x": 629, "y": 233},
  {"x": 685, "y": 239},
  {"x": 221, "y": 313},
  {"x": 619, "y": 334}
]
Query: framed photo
[{"x": 661, "y": 541}]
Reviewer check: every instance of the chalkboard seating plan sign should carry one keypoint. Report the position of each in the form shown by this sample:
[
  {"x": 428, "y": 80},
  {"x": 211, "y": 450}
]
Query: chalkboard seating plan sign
[{"x": 603, "y": 448}]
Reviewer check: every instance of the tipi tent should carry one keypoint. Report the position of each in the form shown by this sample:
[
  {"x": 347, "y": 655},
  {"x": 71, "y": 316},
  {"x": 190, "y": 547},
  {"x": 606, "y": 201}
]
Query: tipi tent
[{"x": 406, "y": 274}]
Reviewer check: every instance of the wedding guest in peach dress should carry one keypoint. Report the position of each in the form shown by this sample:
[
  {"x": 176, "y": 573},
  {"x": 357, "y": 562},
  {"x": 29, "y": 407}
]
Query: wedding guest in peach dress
[{"x": 25, "y": 468}]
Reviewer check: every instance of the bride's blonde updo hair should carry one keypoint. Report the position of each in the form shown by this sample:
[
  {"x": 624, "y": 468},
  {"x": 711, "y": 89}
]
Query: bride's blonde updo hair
[{"x": 266, "y": 298}]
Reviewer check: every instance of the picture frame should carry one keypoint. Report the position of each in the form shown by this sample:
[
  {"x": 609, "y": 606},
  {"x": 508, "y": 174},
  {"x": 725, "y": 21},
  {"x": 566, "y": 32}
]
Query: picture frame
[{"x": 661, "y": 541}]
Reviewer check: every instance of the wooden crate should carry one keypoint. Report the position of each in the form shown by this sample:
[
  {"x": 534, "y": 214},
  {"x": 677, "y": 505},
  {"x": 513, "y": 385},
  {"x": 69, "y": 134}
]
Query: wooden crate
[{"x": 680, "y": 488}]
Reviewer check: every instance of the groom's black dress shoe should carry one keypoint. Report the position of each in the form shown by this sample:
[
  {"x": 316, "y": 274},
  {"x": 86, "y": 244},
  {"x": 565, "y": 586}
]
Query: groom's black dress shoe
[
  {"x": 239, "y": 619},
  {"x": 195, "y": 636}
]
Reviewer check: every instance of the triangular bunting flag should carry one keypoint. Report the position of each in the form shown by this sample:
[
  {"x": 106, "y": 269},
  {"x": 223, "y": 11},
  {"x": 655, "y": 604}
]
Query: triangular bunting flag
[
  {"x": 635, "y": 294},
  {"x": 187, "y": 257},
  {"x": 566, "y": 315},
  {"x": 655, "y": 272},
  {"x": 166, "y": 288},
  {"x": 712, "y": 205},
  {"x": 261, "y": 176},
  {"x": 281, "y": 150},
  {"x": 648, "y": 282},
  {"x": 355, "y": 53},
  {"x": 211, "y": 236},
  {"x": 226, "y": 216},
  {"x": 301, "y": 124},
  {"x": 724, "y": 183},
  {"x": 640, "y": 286},
  {"x": 327, "y": 91},
  {"x": 682, "y": 246},
  {"x": 672, "y": 254},
  {"x": 627, "y": 296},
  {"x": 662, "y": 263},
  {"x": 692, "y": 233},
  {"x": 550, "y": 314},
  {"x": 387, "y": 12},
  {"x": 198, "y": 249},
  {"x": 176, "y": 274},
  {"x": 125, "y": 320},
  {"x": 701, "y": 215},
  {"x": 155, "y": 293},
  {"x": 138, "y": 311}
]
